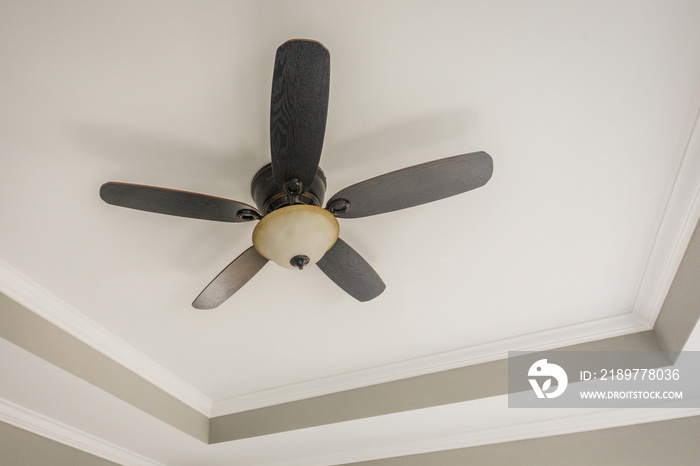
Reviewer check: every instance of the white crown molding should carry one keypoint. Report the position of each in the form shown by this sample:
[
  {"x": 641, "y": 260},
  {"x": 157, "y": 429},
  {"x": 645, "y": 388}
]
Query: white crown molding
[
  {"x": 678, "y": 223},
  {"x": 39, "y": 424},
  {"x": 588, "y": 420},
  {"x": 35, "y": 298},
  {"x": 467, "y": 356},
  {"x": 28, "y": 293}
]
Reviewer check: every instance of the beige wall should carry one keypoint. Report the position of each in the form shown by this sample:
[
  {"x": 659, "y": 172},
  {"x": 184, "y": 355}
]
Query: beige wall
[
  {"x": 674, "y": 443},
  {"x": 19, "y": 448}
]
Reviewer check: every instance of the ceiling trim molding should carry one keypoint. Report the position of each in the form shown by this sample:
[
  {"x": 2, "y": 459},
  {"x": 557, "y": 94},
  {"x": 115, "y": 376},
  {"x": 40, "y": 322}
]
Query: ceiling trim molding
[
  {"x": 471, "y": 355},
  {"x": 416, "y": 393},
  {"x": 29, "y": 331},
  {"x": 51, "y": 308},
  {"x": 44, "y": 426},
  {"x": 29, "y": 294},
  {"x": 680, "y": 216}
]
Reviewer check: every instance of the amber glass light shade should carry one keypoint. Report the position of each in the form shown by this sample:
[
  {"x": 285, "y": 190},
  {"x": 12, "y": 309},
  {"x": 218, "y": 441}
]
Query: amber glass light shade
[{"x": 295, "y": 231}]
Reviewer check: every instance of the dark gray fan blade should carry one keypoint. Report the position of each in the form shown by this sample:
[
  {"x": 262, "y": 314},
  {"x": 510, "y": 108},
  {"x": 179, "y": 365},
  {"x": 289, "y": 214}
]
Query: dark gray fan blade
[
  {"x": 230, "y": 280},
  {"x": 300, "y": 87},
  {"x": 413, "y": 186},
  {"x": 173, "y": 202},
  {"x": 350, "y": 271}
]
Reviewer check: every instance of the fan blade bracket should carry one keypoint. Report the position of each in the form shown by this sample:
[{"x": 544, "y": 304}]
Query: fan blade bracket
[
  {"x": 293, "y": 187},
  {"x": 338, "y": 206},
  {"x": 248, "y": 215}
]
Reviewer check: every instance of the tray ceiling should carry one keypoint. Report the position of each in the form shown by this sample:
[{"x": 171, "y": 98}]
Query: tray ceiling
[{"x": 587, "y": 111}]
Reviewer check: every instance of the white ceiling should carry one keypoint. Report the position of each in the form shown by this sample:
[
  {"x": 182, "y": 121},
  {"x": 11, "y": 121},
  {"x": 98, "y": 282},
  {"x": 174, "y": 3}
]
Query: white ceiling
[{"x": 586, "y": 109}]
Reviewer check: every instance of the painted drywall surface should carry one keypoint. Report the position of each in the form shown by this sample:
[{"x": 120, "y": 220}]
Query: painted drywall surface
[{"x": 19, "y": 447}]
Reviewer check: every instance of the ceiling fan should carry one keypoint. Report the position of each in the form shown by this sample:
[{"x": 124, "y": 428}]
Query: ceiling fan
[{"x": 294, "y": 230}]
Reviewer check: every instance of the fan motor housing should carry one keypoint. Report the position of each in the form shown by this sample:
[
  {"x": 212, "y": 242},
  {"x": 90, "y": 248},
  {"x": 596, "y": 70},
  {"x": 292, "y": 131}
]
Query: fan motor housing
[{"x": 269, "y": 197}]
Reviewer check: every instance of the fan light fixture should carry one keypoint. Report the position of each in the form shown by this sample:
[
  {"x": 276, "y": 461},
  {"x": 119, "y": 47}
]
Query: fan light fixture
[
  {"x": 296, "y": 236},
  {"x": 294, "y": 231}
]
